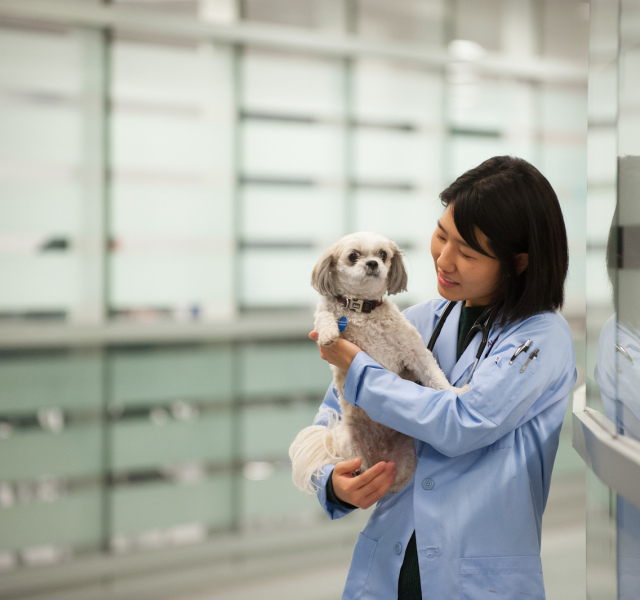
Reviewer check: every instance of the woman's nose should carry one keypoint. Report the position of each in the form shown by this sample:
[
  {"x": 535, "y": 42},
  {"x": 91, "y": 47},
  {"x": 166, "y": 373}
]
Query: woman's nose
[{"x": 445, "y": 260}]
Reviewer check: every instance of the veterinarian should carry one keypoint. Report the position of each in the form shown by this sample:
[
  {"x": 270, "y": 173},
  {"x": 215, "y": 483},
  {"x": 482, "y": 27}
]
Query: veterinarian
[{"x": 468, "y": 525}]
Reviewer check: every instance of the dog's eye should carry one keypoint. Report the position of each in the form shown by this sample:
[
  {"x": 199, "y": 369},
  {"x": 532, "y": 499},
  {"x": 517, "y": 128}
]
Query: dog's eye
[
  {"x": 383, "y": 255},
  {"x": 353, "y": 257}
]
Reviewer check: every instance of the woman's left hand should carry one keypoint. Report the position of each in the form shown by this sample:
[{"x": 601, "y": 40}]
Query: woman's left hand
[{"x": 340, "y": 354}]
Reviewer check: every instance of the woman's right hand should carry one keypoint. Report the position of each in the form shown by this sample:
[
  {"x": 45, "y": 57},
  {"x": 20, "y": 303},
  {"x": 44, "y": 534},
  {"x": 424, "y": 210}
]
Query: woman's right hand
[{"x": 365, "y": 489}]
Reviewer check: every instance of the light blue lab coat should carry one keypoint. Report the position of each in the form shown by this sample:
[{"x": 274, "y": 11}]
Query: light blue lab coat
[{"x": 484, "y": 462}]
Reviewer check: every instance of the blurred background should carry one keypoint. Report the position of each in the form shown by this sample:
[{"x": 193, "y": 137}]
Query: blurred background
[{"x": 170, "y": 172}]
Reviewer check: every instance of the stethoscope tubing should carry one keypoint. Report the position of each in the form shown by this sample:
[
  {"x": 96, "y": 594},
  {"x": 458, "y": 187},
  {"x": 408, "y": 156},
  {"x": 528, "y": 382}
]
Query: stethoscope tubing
[{"x": 483, "y": 324}]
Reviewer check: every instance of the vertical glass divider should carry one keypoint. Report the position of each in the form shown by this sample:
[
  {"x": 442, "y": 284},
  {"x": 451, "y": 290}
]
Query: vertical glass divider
[
  {"x": 237, "y": 58},
  {"x": 349, "y": 148},
  {"x": 94, "y": 176}
]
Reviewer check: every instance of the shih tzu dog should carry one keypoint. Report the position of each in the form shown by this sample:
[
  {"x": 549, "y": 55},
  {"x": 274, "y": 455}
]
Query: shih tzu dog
[{"x": 353, "y": 277}]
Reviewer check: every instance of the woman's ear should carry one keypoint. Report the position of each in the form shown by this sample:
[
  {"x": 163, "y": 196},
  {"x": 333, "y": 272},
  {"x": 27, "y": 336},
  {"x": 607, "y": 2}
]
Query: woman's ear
[{"x": 522, "y": 262}]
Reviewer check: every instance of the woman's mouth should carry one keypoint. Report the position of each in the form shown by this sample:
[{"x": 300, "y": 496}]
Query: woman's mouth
[{"x": 446, "y": 282}]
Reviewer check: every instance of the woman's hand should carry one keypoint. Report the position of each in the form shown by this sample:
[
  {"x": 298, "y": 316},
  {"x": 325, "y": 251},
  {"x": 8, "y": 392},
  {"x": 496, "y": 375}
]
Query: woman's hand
[
  {"x": 366, "y": 489},
  {"x": 340, "y": 354}
]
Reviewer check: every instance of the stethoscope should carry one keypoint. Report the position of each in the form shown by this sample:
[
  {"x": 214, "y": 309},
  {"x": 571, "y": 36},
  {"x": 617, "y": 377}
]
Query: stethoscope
[{"x": 483, "y": 324}]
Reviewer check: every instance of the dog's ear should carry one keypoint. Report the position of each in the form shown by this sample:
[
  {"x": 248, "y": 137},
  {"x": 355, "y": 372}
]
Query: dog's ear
[
  {"x": 397, "y": 279},
  {"x": 322, "y": 277}
]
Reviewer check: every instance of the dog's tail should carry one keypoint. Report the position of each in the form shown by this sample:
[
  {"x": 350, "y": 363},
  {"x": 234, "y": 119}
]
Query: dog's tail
[{"x": 314, "y": 448}]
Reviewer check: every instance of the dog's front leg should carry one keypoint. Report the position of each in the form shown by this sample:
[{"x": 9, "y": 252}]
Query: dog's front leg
[
  {"x": 433, "y": 376},
  {"x": 418, "y": 359},
  {"x": 327, "y": 327}
]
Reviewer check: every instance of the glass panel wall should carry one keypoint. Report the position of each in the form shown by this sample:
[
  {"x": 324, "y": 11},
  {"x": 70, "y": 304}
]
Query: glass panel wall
[
  {"x": 168, "y": 178},
  {"x": 613, "y": 284}
]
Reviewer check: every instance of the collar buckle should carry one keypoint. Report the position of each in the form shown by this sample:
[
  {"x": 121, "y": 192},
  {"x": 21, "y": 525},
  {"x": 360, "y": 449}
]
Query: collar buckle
[{"x": 359, "y": 306}]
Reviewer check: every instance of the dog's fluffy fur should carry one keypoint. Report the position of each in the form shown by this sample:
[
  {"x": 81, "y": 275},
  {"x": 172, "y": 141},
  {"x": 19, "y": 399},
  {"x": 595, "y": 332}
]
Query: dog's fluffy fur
[{"x": 363, "y": 266}]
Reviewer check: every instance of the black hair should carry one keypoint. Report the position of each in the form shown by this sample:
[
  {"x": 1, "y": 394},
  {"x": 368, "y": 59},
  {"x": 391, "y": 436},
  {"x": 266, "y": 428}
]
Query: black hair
[{"x": 516, "y": 208}]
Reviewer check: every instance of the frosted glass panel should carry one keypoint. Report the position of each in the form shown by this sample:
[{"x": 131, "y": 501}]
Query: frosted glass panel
[
  {"x": 39, "y": 282},
  {"x": 601, "y": 158},
  {"x": 186, "y": 211},
  {"x": 564, "y": 110},
  {"x": 468, "y": 152},
  {"x": 598, "y": 284},
  {"x": 396, "y": 94},
  {"x": 602, "y": 204},
  {"x": 39, "y": 208},
  {"x": 43, "y": 158},
  {"x": 161, "y": 506},
  {"x": 269, "y": 430},
  {"x": 401, "y": 217},
  {"x": 278, "y": 277},
  {"x": 188, "y": 77},
  {"x": 576, "y": 282},
  {"x": 291, "y": 150},
  {"x": 288, "y": 84},
  {"x": 48, "y": 134},
  {"x": 170, "y": 144},
  {"x": 629, "y": 129},
  {"x": 40, "y": 61},
  {"x": 292, "y": 214},
  {"x": 602, "y": 103},
  {"x": 167, "y": 375},
  {"x": 629, "y": 135},
  {"x": 274, "y": 499},
  {"x": 397, "y": 157},
  {"x": 161, "y": 280},
  {"x": 203, "y": 440},
  {"x": 565, "y": 167},
  {"x": 36, "y": 454},
  {"x": 74, "y": 520},
  {"x": 172, "y": 131},
  {"x": 66, "y": 381},
  {"x": 284, "y": 370},
  {"x": 422, "y": 276},
  {"x": 490, "y": 105}
]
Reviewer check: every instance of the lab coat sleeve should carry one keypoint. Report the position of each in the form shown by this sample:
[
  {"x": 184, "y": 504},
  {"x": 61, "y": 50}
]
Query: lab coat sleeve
[
  {"x": 501, "y": 398},
  {"x": 329, "y": 404}
]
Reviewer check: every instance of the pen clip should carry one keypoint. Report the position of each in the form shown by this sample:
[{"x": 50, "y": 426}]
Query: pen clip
[
  {"x": 532, "y": 356},
  {"x": 523, "y": 348}
]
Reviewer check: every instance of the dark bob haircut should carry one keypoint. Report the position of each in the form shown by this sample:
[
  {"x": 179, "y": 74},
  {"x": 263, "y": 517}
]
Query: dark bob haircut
[{"x": 515, "y": 207}]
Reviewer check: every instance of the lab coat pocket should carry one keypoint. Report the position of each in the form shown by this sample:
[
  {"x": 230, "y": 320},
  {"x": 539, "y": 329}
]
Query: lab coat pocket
[
  {"x": 501, "y": 578},
  {"x": 360, "y": 567}
]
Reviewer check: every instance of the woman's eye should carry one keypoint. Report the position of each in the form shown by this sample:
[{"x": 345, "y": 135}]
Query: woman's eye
[
  {"x": 353, "y": 257},
  {"x": 465, "y": 255},
  {"x": 383, "y": 255}
]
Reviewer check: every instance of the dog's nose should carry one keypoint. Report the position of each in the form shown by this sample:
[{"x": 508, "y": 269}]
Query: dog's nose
[{"x": 372, "y": 264}]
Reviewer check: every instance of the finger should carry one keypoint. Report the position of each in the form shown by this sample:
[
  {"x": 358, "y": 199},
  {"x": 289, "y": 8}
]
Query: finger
[
  {"x": 377, "y": 489},
  {"x": 373, "y": 472},
  {"x": 348, "y": 466},
  {"x": 377, "y": 477}
]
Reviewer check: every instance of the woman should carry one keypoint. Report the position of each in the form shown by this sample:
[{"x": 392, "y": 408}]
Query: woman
[{"x": 468, "y": 524}]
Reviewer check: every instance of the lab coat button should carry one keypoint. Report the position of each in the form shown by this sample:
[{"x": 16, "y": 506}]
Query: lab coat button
[
  {"x": 428, "y": 483},
  {"x": 398, "y": 548}
]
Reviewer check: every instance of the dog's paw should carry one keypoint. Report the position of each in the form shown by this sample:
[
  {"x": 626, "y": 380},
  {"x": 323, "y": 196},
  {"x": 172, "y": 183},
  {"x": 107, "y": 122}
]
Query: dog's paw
[{"x": 328, "y": 338}]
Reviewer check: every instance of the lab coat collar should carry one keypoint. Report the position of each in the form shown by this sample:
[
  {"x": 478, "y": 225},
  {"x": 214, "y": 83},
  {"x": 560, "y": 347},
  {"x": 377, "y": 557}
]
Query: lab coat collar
[
  {"x": 445, "y": 349},
  {"x": 460, "y": 370}
]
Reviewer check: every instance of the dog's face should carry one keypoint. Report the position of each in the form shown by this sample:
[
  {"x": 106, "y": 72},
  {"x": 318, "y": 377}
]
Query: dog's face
[{"x": 361, "y": 265}]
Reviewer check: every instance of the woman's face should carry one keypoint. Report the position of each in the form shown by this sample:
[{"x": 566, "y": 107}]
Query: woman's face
[{"x": 463, "y": 273}]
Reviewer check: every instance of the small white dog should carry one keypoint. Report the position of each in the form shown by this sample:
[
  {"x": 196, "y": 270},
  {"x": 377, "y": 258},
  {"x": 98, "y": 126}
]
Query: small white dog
[{"x": 353, "y": 277}]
